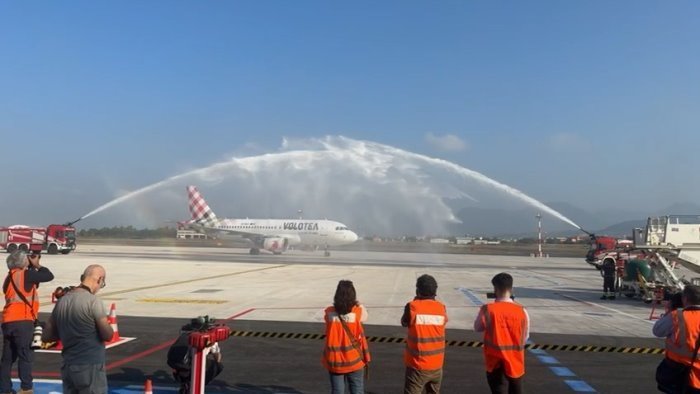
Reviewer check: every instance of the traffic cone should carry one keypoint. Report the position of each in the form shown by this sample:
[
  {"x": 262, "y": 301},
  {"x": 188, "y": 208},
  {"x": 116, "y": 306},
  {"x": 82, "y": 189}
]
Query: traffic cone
[
  {"x": 112, "y": 320},
  {"x": 148, "y": 387}
]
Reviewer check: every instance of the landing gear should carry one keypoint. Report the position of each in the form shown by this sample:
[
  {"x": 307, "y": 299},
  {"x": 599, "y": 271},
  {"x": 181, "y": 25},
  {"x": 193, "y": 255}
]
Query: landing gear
[
  {"x": 254, "y": 251},
  {"x": 326, "y": 252}
]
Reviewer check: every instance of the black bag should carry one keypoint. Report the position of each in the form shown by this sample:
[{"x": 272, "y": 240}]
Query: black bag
[
  {"x": 671, "y": 377},
  {"x": 179, "y": 355}
]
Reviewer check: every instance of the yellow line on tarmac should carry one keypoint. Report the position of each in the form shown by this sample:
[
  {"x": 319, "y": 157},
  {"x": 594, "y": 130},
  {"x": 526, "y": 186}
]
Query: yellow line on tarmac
[
  {"x": 181, "y": 301},
  {"x": 182, "y": 282}
]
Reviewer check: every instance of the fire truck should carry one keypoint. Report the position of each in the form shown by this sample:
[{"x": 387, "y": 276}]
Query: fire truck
[
  {"x": 646, "y": 266},
  {"x": 56, "y": 238}
]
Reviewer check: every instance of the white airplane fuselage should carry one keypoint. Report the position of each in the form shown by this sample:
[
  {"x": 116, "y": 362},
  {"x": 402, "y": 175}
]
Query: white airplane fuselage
[{"x": 297, "y": 231}]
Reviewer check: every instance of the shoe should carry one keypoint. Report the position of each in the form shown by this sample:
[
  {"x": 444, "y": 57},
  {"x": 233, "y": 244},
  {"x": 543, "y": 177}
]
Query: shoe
[
  {"x": 604, "y": 297},
  {"x": 611, "y": 297}
]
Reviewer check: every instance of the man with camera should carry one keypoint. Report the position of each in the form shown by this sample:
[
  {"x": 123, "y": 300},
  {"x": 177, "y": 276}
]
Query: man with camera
[
  {"x": 679, "y": 371},
  {"x": 180, "y": 360},
  {"x": 506, "y": 328},
  {"x": 79, "y": 320},
  {"x": 20, "y": 316},
  {"x": 424, "y": 355}
]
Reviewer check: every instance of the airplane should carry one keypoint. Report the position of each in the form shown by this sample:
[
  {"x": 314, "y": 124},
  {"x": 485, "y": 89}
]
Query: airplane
[{"x": 273, "y": 235}]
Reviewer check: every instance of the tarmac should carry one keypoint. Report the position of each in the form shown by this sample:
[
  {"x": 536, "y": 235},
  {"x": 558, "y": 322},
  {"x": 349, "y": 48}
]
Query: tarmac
[{"x": 275, "y": 306}]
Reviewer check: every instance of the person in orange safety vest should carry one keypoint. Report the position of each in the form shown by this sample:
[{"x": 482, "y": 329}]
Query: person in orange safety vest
[
  {"x": 345, "y": 354},
  {"x": 681, "y": 327},
  {"x": 19, "y": 316},
  {"x": 506, "y": 328},
  {"x": 424, "y": 355}
]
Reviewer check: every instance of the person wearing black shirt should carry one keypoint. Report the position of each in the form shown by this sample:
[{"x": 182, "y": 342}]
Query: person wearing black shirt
[
  {"x": 20, "y": 314},
  {"x": 608, "y": 271}
]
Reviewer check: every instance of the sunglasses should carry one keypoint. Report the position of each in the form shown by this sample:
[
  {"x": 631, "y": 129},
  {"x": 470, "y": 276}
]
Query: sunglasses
[{"x": 34, "y": 256}]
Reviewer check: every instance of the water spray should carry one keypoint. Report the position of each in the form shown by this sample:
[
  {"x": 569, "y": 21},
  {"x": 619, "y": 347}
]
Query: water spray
[{"x": 346, "y": 173}]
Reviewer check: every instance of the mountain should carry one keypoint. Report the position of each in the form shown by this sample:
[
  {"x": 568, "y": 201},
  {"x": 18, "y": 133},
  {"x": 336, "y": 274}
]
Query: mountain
[{"x": 521, "y": 222}]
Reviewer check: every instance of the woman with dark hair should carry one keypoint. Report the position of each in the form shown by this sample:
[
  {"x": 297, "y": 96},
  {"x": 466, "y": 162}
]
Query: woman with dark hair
[{"x": 345, "y": 354}]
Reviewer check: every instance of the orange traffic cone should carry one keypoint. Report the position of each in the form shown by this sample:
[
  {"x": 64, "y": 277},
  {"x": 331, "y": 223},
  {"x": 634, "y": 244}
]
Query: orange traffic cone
[
  {"x": 112, "y": 320},
  {"x": 148, "y": 387}
]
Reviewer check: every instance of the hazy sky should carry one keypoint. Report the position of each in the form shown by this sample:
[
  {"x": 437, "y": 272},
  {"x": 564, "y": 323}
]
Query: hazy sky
[{"x": 594, "y": 103}]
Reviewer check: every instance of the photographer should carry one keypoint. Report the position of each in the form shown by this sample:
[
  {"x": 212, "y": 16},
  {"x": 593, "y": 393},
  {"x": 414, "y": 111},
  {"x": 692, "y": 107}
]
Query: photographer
[
  {"x": 79, "y": 320},
  {"x": 506, "y": 328},
  {"x": 19, "y": 317},
  {"x": 679, "y": 371},
  {"x": 179, "y": 357}
]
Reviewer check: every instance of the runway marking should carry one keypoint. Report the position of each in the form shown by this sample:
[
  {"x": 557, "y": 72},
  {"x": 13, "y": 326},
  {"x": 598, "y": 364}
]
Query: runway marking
[
  {"x": 604, "y": 307},
  {"x": 240, "y": 314},
  {"x": 579, "y": 386},
  {"x": 121, "y": 341},
  {"x": 181, "y": 282},
  {"x": 562, "y": 371},
  {"x": 547, "y": 360},
  {"x": 534, "y": 348},
  {"x": 139, "y": 355},
  {"x": 180, "y": 301},
  {"x": 471, "y": 296}
]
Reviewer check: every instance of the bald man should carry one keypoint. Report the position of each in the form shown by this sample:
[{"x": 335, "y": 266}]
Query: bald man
[{"x": 79, "y": 320}]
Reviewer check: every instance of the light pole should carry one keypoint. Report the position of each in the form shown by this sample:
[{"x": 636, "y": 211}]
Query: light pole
[{"x": 539, "y": 235}]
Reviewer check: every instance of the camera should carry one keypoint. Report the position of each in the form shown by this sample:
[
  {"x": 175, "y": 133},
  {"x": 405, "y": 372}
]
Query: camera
[
  {"x": 61, "y": 291},
  {"x": 493, "y": 296},
  {"x": 36, "y": 336}
]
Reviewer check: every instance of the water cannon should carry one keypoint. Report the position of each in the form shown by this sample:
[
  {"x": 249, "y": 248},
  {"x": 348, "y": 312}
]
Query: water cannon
[
  {"x": 70, "y": 224},
  {"x": 589, "y": 234}
]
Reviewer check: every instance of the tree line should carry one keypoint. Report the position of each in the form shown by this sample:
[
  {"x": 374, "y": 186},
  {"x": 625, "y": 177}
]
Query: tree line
[{"x": 128, "y": 232}]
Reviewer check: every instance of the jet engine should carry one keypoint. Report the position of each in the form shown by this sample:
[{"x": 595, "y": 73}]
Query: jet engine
[{"x": 275, "y": 245}]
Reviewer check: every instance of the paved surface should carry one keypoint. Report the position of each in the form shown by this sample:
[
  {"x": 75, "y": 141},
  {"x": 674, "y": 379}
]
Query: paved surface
[
  {"x": 263, "y": 365},
  {"x": 156, "y": 289}
]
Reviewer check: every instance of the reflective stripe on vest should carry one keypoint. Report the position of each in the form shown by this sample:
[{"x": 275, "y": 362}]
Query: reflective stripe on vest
[
  {"x": 505, "y": 327},
  {"x": 425, "y": 342},
  {"x": 339, "y": 355}
]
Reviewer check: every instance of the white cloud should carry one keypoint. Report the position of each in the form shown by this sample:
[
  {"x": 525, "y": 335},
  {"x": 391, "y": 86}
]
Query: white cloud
[
  {"x": 447, "y": 142},
  {"x": 567, "y": 142}
]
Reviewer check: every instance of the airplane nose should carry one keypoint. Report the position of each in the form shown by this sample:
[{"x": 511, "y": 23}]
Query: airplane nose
[{"x": 352, "y": 236}]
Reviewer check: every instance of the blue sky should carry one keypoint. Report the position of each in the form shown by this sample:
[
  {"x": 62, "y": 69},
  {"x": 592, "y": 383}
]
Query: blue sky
[{"x": 594, "y": 103}]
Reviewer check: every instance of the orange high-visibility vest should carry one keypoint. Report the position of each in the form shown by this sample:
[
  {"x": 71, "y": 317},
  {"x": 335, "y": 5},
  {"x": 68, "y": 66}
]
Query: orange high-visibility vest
[
  {"x": 339, "y": 355},
  {"x": 425, "y": 344},
  {"x": 505, "y": 324},
  {"x": 15, "y": 308},
  {"x": 681, "y": 344}
]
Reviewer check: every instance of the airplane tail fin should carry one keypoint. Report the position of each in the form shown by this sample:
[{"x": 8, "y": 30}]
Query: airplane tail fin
[{"x": 200, "y": 211}]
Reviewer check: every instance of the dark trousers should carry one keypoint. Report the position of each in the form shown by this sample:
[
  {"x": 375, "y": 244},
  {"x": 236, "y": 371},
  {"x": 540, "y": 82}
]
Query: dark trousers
[
  {"x": 16, "y": 342},
  {"x": 497, "y": 382},
  {"x": 609, "y": 284}
]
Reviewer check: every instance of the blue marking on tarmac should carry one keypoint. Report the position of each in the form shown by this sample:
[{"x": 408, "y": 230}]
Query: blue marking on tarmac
[
  {"x": 547, "y": 360},
  {"x": 580, "y": 386},
  {"x": 562, "y": 371},
  {"x": 538, "y": 351},
  {"x": 471, "y": 296}
]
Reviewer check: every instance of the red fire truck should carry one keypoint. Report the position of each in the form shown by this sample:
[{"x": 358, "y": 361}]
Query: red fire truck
[{"x": 56, "y": 238}]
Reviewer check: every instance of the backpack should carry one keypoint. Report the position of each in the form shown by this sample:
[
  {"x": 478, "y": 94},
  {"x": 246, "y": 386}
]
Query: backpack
[{"x": 179, "y": 355}]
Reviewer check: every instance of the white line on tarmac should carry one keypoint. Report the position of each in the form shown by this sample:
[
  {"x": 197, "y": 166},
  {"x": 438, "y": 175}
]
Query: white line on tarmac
[{"x": 604, "y": 307}]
